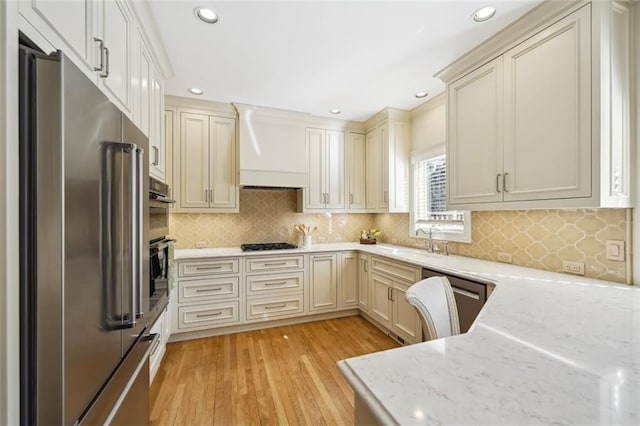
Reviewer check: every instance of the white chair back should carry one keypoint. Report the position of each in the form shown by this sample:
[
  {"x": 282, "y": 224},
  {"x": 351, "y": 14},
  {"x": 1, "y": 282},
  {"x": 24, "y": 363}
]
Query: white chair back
[{"x": 434, "y": 300}]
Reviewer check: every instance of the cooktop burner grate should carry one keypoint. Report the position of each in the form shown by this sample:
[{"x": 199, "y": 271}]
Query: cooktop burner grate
[{"x": 267, "y": 246}]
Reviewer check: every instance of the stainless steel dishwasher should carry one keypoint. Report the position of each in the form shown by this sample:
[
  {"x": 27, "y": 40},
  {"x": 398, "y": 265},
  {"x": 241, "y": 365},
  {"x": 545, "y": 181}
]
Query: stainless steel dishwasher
[{"x": 470, "y": 296}]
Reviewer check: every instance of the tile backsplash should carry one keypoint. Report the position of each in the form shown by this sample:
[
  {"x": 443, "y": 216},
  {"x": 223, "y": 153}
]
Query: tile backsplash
[
  {"x": 265, "y": 216},
  {"x": 539, "y": 239}
]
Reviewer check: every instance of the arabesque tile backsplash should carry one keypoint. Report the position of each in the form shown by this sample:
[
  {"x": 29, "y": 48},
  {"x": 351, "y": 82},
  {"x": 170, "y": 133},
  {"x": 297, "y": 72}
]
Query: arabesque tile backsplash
[{"x": 538, "y": 239}]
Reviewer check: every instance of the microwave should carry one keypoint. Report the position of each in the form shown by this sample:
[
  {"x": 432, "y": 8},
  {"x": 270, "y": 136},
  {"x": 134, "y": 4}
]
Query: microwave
[{"x": 159, "y": 205}]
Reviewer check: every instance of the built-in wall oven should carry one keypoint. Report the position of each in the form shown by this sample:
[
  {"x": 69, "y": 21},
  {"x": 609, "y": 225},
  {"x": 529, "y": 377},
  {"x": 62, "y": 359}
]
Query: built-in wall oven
[
  {"x": 159, "y": 204},
  {"x": 159, "y": 246}
]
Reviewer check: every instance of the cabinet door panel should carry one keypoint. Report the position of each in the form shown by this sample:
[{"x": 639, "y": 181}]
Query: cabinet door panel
[
  {"x": 334, "y": 152},
  {"x": 116, "y": 33},
  {"x": 363, "y": 282},
  {"x": 142, "y": 87},
  {"x": 323, "y": 278},
  {"x": 356, "y": 160},
  {"x": 157, "y": 127},
  {"x": 348, "y": 280},
  {"x": 380, "y": 304},
  {"x": 373, "y": 172},
  {"x": 316, "y": 155},
  {"x": 406, "y": 322},
  {"x": 385, "y": 166},
  {"x": 72, "y": 21},
  {"x": 222, "y": 151},
  {"x": 547, "y": 113},
  {"x": 194, "y": 160},
  {"x": 474, "y": 149}
]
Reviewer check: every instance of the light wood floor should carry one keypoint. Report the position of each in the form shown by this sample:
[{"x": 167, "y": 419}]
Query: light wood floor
[{"x": 283, "y": 375}]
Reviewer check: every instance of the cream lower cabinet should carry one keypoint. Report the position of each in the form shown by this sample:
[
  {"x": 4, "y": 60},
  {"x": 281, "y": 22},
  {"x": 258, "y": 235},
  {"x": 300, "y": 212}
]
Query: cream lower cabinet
[
  {"x": 323, "y": 282},
  {"x": 275, "y": 287},
  {"x": 209, "y": 294},
  {"x": 162, "y": 328},
  {"x": 363, "y": 282},
  {"x": 389, "y": 281},
  {"x": 348, "y": 281}
]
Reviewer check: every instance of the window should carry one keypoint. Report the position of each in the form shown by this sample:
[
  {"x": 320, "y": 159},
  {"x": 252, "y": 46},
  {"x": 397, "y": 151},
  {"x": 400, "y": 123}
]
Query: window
[{"x": 429, "y": 210}]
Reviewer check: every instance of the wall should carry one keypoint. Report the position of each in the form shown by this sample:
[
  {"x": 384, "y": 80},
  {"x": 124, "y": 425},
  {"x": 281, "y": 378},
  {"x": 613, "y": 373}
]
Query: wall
[
  {"x": 9, "y": 237},
  {"x": 265, "y": 216},
  {"x": 539, "y": 239}
]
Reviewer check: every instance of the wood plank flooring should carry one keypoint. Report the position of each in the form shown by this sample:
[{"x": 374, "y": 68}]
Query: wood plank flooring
[{"x": 283, "y": 375}]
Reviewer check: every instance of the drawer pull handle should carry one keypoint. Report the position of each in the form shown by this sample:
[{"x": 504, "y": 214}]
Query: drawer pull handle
[
  {"x": 275, "y": 263},
  {"x": 276, "y": 283},
  {"x": 204, "y": 290},
  {"x": 200, "y": 268},
  {"x": 215, "y": 314},
  {"x": 284, "y": 305}
]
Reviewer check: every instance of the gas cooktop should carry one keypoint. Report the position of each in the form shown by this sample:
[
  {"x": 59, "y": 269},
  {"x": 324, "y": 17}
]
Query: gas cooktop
[{"x": 267, "y": 246}]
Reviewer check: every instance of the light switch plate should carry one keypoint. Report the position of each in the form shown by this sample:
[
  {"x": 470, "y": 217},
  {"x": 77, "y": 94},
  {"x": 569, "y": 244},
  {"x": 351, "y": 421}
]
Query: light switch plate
[
  {"x": 504, "y": 257},
  {"x": 201, "y": 244},
  {"x": 615, "y": 250}
]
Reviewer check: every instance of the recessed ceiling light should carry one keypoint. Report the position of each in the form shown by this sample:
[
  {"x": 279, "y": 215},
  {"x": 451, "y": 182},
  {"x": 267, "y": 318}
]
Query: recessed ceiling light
[
  {"x": 483, "y": 14},
  {"x": 206, "y": 15},
  {"x": 195, "y": 91},
  {"x": 335, "y": 111},
  {"x": 421, "y": 95}
]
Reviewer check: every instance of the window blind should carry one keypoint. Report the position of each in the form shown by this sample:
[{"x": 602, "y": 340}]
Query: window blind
[{"x": 431, "y": 197}]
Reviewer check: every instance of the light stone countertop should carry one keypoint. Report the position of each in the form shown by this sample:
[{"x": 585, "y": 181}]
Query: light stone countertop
[{"x": 546, "y": 348}]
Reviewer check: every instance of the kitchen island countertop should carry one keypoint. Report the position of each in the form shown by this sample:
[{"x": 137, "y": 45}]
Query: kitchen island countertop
[{"x": 546, "y": 348}]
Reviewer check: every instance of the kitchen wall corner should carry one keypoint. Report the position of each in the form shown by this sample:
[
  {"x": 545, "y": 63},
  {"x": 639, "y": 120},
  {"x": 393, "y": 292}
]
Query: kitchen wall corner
[{"x": 539, "y": 239}]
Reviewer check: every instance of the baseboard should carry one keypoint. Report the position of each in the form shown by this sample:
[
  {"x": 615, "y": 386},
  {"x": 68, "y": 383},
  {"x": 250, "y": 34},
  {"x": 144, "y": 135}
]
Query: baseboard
[{"x": 200, "y": 334}]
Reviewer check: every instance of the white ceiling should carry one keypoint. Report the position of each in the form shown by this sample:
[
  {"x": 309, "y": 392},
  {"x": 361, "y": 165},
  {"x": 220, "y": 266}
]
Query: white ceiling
[{"x": 311, "y": 56}]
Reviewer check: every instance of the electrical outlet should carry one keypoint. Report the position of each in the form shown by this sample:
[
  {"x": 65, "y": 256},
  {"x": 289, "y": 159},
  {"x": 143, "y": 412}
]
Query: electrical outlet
[
  {"x": 504, "y": 257},
  {"x": 394, "y": 241},
  {"x": 576, "y": 268},
  {"x": 321, "y": 239},
  {"x": 201, "y": 244}
]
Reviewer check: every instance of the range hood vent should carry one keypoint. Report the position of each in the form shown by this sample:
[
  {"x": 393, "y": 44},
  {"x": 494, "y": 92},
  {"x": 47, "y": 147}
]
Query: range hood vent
[
  {"x": 272, "y": 146},
  {"x": 270, "y": 188}
]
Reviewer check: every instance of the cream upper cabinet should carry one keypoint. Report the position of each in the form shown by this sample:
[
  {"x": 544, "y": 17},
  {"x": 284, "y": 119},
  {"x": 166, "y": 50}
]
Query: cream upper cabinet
[
  {"x": 373, "y": 143},
  {"x": 323, "y": 282},
  {"x": 142, "y": 85},
  {"x": 348, "y": 280},
  {"x": 546, "y": 124},
  {"x": 356, "y": 166},
  {"x": 194, "y": 160},
  {"x": 547, "y": 113},
  {"x": 68, "y": 26},
  {"x": 474, "y": 150},
  {"x": 325, "y": 153},
  {"x": 115, "y": 29},
  {"x": 157, "y": 145},
  {"x": 207, "y": 163},
  {"x": 387, "y": 165}
]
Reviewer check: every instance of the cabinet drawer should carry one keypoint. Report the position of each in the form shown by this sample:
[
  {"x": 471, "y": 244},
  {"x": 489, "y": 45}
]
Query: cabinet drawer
[
  {"x": 280, "y": 263},
  {"x": 395, "y": 269},
  {"x": 274, "y": 283},
  {"x": 209, "y": 289},
  {"x": 208, "y": 267},
  {"x": 266, "y": 309},
  {"x": 208, "y": 315}
]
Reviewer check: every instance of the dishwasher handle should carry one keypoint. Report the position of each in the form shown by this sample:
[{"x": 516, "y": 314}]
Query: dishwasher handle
[{"x": 466, "y": 293}]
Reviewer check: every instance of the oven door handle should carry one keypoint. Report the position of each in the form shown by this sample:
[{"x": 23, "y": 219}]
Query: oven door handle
[
  {"x": 162, "y": 244},
  {"x": 163, "y": 200}
]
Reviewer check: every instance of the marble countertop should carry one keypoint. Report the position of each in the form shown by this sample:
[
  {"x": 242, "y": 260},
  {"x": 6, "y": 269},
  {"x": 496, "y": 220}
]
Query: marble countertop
[{"x": 546, "y": 348}]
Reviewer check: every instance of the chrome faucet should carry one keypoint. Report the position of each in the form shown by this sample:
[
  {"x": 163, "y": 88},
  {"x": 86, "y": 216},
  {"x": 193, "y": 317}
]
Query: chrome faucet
[{"x": 429, "y": 244}]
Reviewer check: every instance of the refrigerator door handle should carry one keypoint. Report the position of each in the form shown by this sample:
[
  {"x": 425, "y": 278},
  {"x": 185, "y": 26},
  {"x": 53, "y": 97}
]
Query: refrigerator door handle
[
  {"x": 140, "y": 234},
  {"x": 134, "y": 235}
]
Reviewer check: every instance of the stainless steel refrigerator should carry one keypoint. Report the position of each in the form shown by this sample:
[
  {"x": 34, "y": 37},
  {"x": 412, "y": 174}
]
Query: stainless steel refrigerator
[{"x": 84, "y": 251}]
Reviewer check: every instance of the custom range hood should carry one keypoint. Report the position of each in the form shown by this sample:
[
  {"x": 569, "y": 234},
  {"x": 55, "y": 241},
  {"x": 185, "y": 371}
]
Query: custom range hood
[{"x": 272, "y": 145}]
